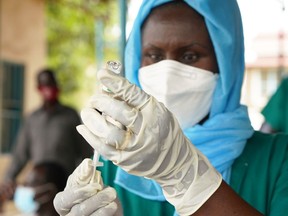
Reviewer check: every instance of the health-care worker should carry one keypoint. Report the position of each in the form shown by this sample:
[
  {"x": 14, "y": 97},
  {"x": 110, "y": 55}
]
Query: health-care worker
[{"x": 187, "y": 142}]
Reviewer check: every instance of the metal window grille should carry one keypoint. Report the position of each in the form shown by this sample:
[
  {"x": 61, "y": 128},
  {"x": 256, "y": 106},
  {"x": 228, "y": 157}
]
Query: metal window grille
[{"x": 11, "y": 103}]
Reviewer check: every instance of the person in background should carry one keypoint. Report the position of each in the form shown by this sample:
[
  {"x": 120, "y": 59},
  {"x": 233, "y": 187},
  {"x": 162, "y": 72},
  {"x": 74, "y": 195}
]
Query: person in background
[
  {"x": 48, "y": 134},
  {"x": 187, "y": 143},
  {"x": 276, "y": 110},
  {"x": 35, "y": 196}
]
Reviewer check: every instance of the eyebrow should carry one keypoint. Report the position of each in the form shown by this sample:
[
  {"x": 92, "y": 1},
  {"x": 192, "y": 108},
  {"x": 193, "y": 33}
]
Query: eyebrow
[
  {"x": 183, "y": 47},
  {"x": 196, "y": 44}
]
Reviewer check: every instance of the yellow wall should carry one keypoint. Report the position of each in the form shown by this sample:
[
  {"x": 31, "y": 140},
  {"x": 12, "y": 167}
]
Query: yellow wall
[{"x": 22, "y": 40}]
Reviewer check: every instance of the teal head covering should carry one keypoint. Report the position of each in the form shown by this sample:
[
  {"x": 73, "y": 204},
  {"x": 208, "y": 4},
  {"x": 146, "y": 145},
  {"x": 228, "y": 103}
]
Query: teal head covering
[{"x": 223, "y": 136}]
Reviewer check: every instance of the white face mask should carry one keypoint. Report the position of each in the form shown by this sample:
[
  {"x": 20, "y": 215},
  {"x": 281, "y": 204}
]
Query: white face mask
[{"x": 185, "y": 90}]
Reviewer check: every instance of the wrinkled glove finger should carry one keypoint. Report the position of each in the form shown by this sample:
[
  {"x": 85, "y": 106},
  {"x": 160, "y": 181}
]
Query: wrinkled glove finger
[
  {"x": 100, "y": 127},
  {"x": 94, "y": 203},
  {"x": 121, "y": 88},
  {"x": 108, "y": 210},
  {"x": 120, "y": 111},
  {"x": 65, "y": 200},
  {"x": 105, "y": 150},
  {"x": 110, "y": 152}
]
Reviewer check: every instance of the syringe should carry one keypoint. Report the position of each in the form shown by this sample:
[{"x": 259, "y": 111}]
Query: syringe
[
  {"x": 96, "y": 163},
  {"x": 116, "y": 68},
  {"x": 96, "y": 157}
]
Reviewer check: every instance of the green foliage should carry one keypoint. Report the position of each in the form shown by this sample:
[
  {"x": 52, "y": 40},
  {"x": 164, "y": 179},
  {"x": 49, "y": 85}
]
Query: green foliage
[{"x": 71, "y": 43}]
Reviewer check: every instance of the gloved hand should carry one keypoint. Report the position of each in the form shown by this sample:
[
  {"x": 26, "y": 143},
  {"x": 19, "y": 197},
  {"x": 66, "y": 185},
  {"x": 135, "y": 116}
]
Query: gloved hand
[
  {"x": 151, "y": 145},
  {"x": 7, "y": 190},
  {"x": 84, "y": 194}
]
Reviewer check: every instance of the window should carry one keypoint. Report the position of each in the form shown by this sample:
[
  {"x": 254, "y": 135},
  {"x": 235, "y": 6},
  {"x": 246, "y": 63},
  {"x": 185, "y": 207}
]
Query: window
[{"x": 11, "y": 103}]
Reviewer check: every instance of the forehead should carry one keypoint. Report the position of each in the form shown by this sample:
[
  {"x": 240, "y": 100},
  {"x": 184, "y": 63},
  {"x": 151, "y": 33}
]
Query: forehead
[
  {"x": 175, "y": 10},
  {"x": 46, "y": 79},
  {"x": 175, "y": 21}
]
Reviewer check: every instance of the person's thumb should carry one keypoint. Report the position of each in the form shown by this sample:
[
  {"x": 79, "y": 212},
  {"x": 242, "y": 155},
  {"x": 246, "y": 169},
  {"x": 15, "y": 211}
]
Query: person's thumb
[{"x": 82, "y": 175}]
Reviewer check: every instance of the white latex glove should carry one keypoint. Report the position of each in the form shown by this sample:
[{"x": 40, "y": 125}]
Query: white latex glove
[
  {"x": 153, "y": 144},
  {"x": 84, "y": 194}
]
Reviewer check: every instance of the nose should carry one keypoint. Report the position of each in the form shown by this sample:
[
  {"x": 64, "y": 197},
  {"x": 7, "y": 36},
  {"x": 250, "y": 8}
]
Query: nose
[{"x": 171, "y": 56}]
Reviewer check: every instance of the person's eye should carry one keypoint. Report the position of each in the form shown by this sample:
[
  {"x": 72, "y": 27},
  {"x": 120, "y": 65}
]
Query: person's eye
[
  {"x": 154, "y": 57},
  {"x": 190, "y": 58}
]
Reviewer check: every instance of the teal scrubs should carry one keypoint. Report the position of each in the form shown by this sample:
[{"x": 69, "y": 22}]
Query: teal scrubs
[
  {"x": 276, "y": 110},
  {"x": 259, "y": 175}
]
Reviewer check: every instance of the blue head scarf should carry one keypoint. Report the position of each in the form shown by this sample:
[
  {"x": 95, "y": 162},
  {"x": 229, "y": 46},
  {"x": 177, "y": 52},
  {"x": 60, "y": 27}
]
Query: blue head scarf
[{"x": 223, "y": 136}]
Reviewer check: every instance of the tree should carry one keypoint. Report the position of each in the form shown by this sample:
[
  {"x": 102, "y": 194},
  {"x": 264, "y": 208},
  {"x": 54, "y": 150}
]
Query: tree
[{"x": 71, "y": 43}]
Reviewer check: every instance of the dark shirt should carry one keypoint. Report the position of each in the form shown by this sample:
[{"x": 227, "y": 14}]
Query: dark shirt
[{"x": 49, "y": 136}]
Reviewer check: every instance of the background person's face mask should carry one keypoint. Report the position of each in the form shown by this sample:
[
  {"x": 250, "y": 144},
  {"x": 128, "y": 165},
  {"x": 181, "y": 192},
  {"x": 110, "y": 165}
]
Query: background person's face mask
[
  {"x": 49, "y": 93},
  {"x": 24, "y": 200},
  {"x": 185, "y": 90}
]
